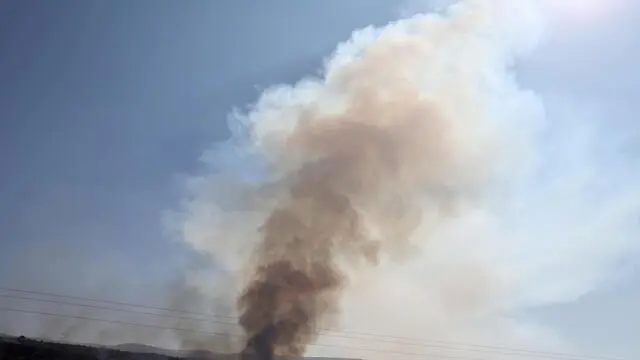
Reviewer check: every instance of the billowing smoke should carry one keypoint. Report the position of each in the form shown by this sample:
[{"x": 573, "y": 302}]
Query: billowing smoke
[
  {"x": 407, "y": 170},
  {"x": 375, "y": 145},
  {"x": 400, "y": 131}
]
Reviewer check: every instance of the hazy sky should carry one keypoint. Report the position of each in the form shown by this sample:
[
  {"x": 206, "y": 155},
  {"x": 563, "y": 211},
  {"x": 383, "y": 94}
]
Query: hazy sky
[{"x": 106, "y": 105}]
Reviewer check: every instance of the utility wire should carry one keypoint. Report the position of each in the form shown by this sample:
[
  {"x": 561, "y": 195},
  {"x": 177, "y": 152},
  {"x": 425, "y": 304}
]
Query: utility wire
[
  {"x": 130, "y": 311},
  {"x": 118, "y": 322},
  {"x": 126, "y": 323},
  {"x": 116, "y": 303},
  {"x": 426, "y": 345},
  {"x": 502, "y": 350}
]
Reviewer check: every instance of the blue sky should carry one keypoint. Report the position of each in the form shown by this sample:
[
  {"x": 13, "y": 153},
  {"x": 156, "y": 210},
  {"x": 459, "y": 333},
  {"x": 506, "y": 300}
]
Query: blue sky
[{"x": 106, "y": 106}]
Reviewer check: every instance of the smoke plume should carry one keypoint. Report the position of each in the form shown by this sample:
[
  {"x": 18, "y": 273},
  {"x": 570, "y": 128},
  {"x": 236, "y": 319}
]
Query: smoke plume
[
  {"x": 394, "y": 129},
  {"x": 398, "y": 171},
  {"x": 354, "y": 178}
]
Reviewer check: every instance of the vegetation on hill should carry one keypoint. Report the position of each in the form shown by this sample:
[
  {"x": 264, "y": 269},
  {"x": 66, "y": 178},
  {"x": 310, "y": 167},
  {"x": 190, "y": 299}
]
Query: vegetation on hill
[
  {"x": 29, "y": 349},
  {"x": 21, "y": 348}
]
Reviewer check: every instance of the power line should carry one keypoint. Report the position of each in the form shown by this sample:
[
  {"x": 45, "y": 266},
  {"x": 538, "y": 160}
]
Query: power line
[
  {"x": 488, "y": 349},
  {"x": 116, "y": 303},
  {"x": 126, "y": 323},
  {"x": 440, "y": 356},
  {"x": 181, "y": 317},
  {"x": 214, "y": 321},
  {"x": 205, "y": 320},
  {"x": 502, "y": 350},
  {"x": 118, "y": 322},
  {"x": 332, "y": 333},
  {"x": 97, "y": 307}
]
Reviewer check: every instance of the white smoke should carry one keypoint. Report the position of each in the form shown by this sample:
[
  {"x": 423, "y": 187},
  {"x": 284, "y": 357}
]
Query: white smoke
[{"x": 551, "y": 214}]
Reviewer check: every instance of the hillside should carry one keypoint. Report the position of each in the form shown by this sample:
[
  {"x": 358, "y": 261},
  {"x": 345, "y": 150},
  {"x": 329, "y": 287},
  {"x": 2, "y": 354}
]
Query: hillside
[
  {"x": 20, "y": 348},
  {"x": 30, "y": 349}
]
